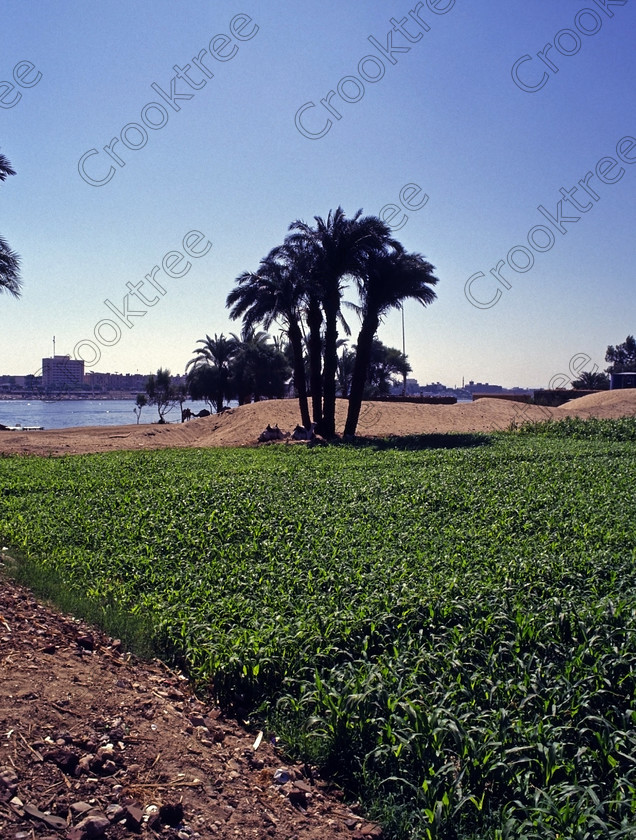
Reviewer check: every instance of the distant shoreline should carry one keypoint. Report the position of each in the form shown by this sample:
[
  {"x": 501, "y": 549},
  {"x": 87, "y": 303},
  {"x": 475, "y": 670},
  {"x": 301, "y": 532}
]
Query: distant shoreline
[
  {"x": 111, "y": 395},
  {"x": 242, "y": 426}
]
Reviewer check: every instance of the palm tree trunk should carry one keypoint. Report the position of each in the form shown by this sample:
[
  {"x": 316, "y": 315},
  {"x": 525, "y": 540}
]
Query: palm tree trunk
[
  {"x": 360, "y": 372},
  {"x": 221, "y": 391},
  {"x": 296, "y": 341},
  {"x": 314, "y": 322},
  {"x": 330, "y": 368}
]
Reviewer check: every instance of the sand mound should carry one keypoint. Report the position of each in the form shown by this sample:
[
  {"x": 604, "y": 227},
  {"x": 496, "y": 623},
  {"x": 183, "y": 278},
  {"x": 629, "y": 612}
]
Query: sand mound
[
  {"x": 242, "y": 426},
  {"x": 609, "y": 404}
]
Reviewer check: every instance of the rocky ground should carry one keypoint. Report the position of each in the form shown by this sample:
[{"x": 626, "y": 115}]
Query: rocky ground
[{"x": 94, "y": 743}]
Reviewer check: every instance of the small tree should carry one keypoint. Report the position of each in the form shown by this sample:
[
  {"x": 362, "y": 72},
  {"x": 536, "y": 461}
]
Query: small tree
[
  {"x": 592, "y": 381},
  {"x": 161, "y": 392},
  {"x": 622, "y": 357},
  {"x": 387, "y": 366},
  {"x": 140, "y": 402},
  {"x": 207, "y": 382},
  {"x": 208, "y": 372}
]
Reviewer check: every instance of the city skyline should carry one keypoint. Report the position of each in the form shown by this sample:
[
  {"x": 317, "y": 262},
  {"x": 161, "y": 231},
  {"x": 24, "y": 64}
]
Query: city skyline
[
  {"x": 50, "y": 377},
  {"x": 577, "y": 364}
]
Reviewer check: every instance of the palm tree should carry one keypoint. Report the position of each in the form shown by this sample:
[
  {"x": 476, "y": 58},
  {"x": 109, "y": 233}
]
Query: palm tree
[
  {"x": 346, "y": 364},
  {"x": 591, "y": 380},
  {"x": 9, "y": 260},
  {"x": 384, "y": 364},
  {"x": 299, "y": 258},
  {"x": 258, "y": 368},
  {"x": 334, "y": 249},
  {"x": 208, "y": 372},
  {"x": 273, "y": 293},
  {"x": 315, "y": 343},
  {"x": 391, "y": 276}
]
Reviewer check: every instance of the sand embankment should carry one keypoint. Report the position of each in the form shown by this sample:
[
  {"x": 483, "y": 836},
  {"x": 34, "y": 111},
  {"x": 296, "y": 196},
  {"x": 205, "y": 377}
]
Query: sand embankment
[{"x": 242, "y": 426}]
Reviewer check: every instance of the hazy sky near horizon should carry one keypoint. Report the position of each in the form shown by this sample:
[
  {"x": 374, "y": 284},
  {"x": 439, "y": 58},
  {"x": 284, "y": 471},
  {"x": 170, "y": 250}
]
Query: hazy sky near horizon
[{"x": 519, "y": 163}]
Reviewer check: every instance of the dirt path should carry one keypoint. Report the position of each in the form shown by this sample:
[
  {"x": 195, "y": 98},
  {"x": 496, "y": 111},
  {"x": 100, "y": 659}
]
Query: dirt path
[{"x": 94, "y": 743}]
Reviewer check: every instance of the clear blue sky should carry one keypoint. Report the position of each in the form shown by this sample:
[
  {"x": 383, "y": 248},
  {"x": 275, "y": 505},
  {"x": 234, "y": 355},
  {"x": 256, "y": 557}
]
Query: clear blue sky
[{"x": 436, "y": 106}]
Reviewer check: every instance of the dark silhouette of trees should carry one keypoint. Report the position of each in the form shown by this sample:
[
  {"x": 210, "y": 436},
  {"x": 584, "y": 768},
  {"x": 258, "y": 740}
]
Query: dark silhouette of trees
[
  {"x": 333, "y": 250},
  {"x": 275, "y": 293},
  {"x": 622, "y": 357},
  {"x": 385, "y": 364},
  {"x": 390, "y": 277},
  {"x": 258, "y": 369},
  {"x": 248, "y": 367},
  {"x": 9, "y": 260},
  {"x": 203, "y": 384},
  {"x": 208, "y": 372},
  {"x": 300, "y": 285},
  {"x": 592, "y": 381},
  {"x": 346, "y": 362}
]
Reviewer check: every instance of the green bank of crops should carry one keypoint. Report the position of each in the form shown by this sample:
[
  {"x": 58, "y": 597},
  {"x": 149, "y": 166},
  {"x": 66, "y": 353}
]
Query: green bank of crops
[{"x": 449, "y": 631}]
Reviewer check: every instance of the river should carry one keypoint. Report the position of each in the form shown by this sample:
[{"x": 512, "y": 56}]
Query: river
[{"x": 64, "y": 414}]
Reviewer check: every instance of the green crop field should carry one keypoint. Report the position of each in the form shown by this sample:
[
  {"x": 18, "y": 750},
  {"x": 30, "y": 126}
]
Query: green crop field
[{"x": 447, "y": 625}]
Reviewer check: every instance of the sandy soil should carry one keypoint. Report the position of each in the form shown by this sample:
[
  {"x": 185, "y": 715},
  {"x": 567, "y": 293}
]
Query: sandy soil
[
  {"x": 242, "y": 426},
  {"x": 96, "y": 744}
]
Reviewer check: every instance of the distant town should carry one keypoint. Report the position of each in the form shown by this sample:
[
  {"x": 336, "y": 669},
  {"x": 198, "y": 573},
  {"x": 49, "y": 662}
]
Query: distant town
[{"x": 65, "y": 378}]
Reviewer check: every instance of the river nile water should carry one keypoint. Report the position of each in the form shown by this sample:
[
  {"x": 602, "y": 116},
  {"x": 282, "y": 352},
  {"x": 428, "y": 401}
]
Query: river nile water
[{"x": 64, "y": 414}]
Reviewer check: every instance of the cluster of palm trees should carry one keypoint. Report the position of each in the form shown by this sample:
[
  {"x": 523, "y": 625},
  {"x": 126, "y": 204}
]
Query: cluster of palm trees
[
  {"x": 388, "y": 367},
  {"x": 256, "y": 365},
  {"x": 300, "y": 285},
  {"x": 245, "y": 368},
  {"x": 9, "y": 260}
]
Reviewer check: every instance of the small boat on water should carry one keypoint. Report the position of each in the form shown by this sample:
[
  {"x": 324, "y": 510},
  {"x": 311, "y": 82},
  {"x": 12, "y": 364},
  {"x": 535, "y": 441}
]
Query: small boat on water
[{"x": 20, "y": 428}]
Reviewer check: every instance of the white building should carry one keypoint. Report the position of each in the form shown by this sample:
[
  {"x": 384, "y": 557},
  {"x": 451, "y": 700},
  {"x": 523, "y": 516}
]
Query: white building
[{"x": 61, "y": 373}]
